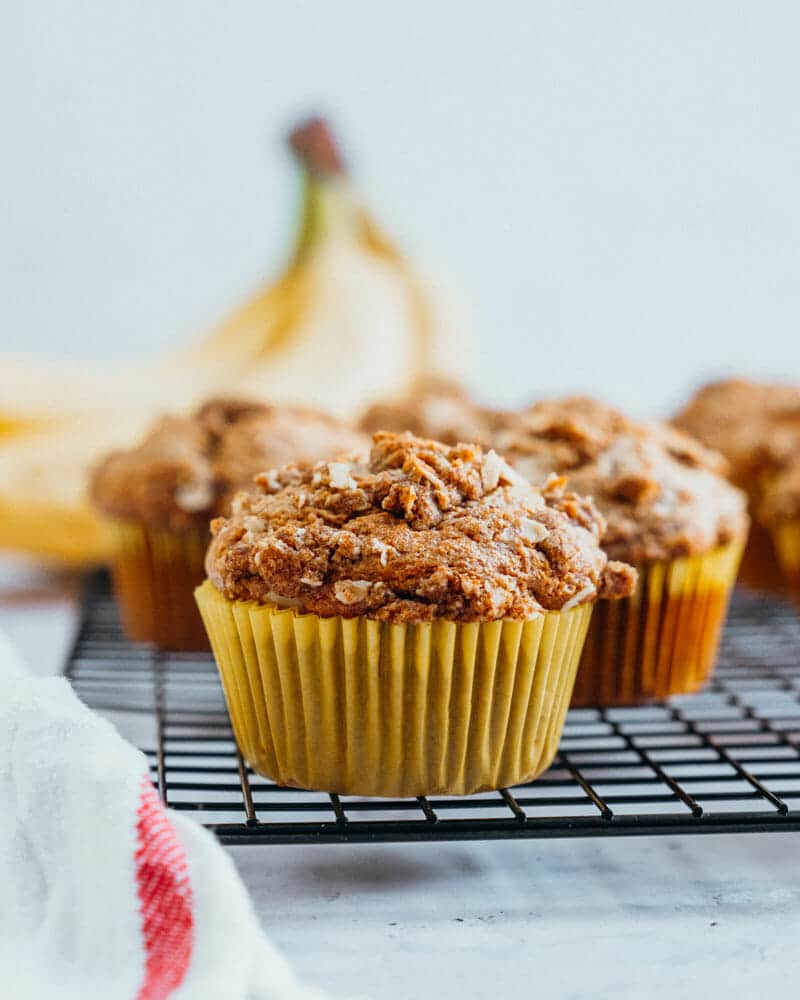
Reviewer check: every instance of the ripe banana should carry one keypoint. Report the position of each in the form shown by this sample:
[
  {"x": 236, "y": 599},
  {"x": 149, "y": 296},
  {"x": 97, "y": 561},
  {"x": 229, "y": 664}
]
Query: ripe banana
[
  {"x": 44, "y": 509},
  {"x": 351, "y": 320},
  {"x": 348, "y": 321}
]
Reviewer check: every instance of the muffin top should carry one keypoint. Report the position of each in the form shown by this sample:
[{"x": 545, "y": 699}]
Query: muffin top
[
  {"x": 418, "y": 530},
  {"x": 755, "y": 425},
  {"x": 437, "y": 409},
  {"x": 187, "y": 468},
  {"x": 662, "y": 493}
]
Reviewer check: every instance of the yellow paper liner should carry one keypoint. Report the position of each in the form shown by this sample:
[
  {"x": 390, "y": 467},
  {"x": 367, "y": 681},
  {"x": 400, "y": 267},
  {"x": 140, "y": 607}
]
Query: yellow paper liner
[
  {"x": 663, "y": 639},
  {"x": 155, "y": 573},
  {"x": 361, "y": 707},
  {"x": 786, "y": 536}
]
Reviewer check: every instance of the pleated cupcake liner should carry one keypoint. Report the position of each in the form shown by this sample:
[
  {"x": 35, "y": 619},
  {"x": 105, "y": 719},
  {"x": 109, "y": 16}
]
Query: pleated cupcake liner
[
  {"x": 786, "y": 536},
  {"x": 663, "y": 640},
  {"x": 155, "y": 573},
  {"x": 361, "y": 707}
]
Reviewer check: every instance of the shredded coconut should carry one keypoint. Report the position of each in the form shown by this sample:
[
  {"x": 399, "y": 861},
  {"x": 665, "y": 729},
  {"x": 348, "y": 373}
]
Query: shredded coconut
[
  {"x": 382, "y": 549},
  {"x": 351, "y": 591},
  {"x": 281, "y": 601},
  {"x": 271, "y": 477},
  {"x": 534, "y": 531},
  {"x": 580, "y": 598},
  {"x": 498, "y": 597},
  {"x": 492, "y": 467},
  {"x": 253, "y": 525},
  {"x": 340, "y": 478}
]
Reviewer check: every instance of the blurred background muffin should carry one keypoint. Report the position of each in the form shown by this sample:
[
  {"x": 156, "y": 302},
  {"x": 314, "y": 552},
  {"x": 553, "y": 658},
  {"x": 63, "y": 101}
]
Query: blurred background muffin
[
  {"x": 668, "y": 510},
  {"x": 756, "y": 426},
  {"x": 440, "y": 409},
  {"x": 161, "y": 495}
]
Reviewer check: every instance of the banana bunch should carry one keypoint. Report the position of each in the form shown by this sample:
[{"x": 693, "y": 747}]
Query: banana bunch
[{"x": 350, "y": 320}]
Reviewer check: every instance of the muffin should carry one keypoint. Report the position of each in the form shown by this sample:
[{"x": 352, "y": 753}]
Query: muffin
[
  {"x": 779, "y": 513},
  {"x": 437, "y": 409},
  {"x": 756, "y": 426},
  {"x": 161, "y": 495},
  {"x": 670, "y": 513},
  {"x": 404, "y": 624}
]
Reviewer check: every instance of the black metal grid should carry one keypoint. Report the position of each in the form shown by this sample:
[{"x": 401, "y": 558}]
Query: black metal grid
[{"x": 726, "y": 760}]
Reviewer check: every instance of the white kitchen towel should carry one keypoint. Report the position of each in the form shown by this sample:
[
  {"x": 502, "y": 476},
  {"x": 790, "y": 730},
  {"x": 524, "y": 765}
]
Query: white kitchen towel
[{"x": 104, "y": 893}]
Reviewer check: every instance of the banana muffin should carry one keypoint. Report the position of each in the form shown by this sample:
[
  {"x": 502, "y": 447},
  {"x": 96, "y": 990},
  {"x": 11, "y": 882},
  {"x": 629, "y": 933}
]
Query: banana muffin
[
  {"x": 779, "y": 513},
  {"x": 437, "y": 409},
  {"x": 161, "y": 495},
  {"x": 670, "y": 512},
  {"x": 405, "y": 624},
  {"x": 756, "y": 426}
]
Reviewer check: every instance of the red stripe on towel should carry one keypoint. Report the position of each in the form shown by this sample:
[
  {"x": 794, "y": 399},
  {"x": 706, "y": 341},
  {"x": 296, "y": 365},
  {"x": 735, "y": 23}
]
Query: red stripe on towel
[{"x": 165, "y": 899}]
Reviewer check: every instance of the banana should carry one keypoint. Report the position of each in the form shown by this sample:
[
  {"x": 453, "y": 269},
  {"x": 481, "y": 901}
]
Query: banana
[
  {"x": 351, "y": 319},
  {"x": 444, "y": 329},
  {"x": 44, "y": 509},
  {"x": 348, "y": 321},
  {"x": 355, "y": 335}
]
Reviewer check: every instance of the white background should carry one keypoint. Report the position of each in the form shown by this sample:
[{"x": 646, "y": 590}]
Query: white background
[{"x": 613, "y": 184}]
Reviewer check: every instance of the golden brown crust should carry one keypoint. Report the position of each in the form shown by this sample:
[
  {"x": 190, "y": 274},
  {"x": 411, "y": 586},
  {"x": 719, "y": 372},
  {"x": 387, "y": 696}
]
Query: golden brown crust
[
  {"x": 420, "y": 531},
  {"x": 187, "y": 468},
  {"x": 756, "y": 426},
  {"x": 661, "y": 492},
  {"x": 438, "y": 409}
]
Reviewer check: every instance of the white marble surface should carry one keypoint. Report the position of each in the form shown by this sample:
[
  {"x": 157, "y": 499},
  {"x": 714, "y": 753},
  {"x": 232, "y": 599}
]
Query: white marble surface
[
  {"x": 652, "y": 918},
  {"x": 708, "y": 916}
]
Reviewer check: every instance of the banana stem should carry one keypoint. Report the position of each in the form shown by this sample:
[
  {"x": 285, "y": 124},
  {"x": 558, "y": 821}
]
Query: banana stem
[
  {"x": 328, "y": 209},
  {"x": 327, "y": 201},
  {"x": 314, "y": 145}
]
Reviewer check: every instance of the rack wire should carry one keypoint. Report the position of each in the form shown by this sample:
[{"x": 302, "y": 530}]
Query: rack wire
[{"x": 723, "y": 761}]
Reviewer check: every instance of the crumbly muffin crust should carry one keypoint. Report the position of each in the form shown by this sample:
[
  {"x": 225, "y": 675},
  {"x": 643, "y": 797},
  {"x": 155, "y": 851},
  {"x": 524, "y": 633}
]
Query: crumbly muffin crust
[
  {"x": 187, "y": 469},
  {"x": 662, "y": 493},
  {"x": 756, "y": 426},
  {"x": 437, "y": 409},
  {"x": 418, "y": 531}
]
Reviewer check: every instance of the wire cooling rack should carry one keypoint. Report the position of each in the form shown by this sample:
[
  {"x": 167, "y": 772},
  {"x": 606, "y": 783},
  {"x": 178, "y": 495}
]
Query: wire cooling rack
[{"x": 726, "y": 760}]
